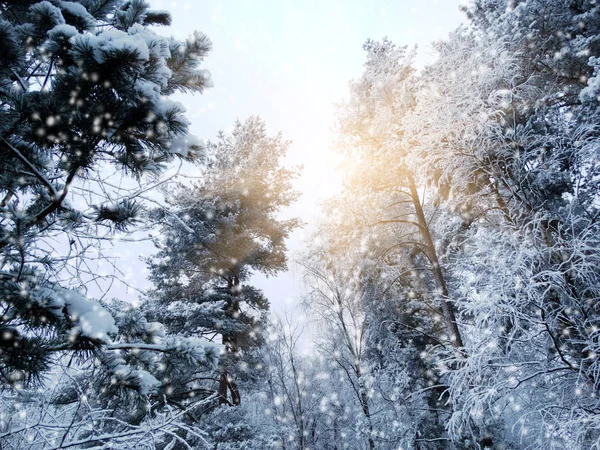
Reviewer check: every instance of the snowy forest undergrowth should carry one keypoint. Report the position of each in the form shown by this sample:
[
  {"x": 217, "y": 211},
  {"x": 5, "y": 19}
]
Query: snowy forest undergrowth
[{"x": 453, "y": 283}]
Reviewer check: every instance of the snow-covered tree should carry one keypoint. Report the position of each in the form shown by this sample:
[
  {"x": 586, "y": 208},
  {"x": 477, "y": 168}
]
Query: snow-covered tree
[
  {"x": 522, "y": 154},
  {"x": 294, "y": 388},
  {"x": 377, "y": 145},
  {"x": 82, "y": 89},
  {"x": 214, "y": 236},
  {"x": 376, "y": 338},
  {"x": 502, "y": 130},
  {"x": 86, "y": 127}
]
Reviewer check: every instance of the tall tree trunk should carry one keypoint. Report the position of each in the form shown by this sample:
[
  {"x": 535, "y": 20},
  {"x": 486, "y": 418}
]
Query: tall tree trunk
[
  {"x": 299, "y": 406},
  {"x": 447, "y": 307},
  {"x": 223, "y": 387},
  {"x": 336, "y": 432}
]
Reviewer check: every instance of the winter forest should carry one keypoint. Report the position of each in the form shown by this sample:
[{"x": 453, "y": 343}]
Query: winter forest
[{"x": 450, "y": 286}]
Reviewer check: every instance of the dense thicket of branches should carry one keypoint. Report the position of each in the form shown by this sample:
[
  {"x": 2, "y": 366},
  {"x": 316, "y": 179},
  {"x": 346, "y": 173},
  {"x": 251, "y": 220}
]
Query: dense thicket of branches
[
  {"x": 471, "y": 196},
  {"x": 455, "y": 281}
]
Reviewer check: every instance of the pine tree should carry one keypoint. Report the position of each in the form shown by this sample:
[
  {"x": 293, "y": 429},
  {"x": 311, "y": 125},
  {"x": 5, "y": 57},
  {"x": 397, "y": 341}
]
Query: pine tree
[
  {"x": 81, "y": 89},
  {"x": 504, "y": 128},
  {"x": 213, "y": 236},
  {"x": 84, "y": 107}
]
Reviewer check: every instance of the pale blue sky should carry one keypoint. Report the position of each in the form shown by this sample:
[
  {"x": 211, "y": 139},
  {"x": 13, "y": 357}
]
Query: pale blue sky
[{"x": 289, "y": 61}]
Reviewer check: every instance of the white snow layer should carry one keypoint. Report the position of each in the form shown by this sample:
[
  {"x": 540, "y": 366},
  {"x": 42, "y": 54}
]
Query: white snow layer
[{"x": 90, "y": 318}]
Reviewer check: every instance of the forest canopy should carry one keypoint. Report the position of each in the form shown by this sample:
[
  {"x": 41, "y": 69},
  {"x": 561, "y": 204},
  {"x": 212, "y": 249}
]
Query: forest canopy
[{"x": 451, "y": 286}]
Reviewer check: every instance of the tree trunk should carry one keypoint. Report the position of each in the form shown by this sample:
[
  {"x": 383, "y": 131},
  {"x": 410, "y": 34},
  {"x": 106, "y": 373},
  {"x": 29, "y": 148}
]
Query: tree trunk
[
  {"x": 447, "y": 307},
  {"x": 367, "y": 413},
  {"x": 336, "y": 431},
  {"x": 364, "y": 401},
  {"x": 226, "y": 382}
]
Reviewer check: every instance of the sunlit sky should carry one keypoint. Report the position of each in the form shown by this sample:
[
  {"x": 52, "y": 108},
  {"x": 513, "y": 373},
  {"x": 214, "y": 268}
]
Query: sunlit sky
[{"x": 289, "y": 61}]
